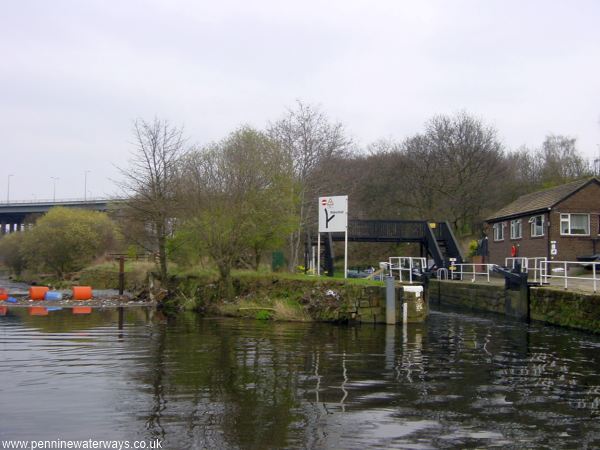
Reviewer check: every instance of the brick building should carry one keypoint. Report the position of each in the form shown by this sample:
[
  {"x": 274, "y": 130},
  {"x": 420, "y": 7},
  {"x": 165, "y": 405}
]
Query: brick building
[{"x": 560, "y": 223}]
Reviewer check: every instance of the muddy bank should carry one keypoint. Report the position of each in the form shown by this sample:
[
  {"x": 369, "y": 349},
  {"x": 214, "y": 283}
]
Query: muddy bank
[{"x": 102, "y": 298}]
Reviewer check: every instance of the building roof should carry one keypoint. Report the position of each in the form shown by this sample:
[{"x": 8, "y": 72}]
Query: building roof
[{"x": 540, "y": 200}]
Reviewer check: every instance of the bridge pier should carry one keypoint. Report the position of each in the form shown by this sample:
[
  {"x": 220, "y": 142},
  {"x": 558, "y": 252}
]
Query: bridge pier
[
  {"x": 10, "y": 227},
  {"x": 17, "y": 216}
]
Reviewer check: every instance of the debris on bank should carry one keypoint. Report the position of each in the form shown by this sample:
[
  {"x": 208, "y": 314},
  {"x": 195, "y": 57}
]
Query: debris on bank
[{"x": 78, "y": 296}]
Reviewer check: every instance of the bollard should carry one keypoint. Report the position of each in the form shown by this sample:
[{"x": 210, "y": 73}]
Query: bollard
[{"x": 390, "y": 301}]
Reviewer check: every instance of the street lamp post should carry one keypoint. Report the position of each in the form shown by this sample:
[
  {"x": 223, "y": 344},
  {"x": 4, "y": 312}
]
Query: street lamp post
[
  {"x": 85, "y": 184},
  {"x": 8, "y": 189},
  {"x": 55, "y": 179}
]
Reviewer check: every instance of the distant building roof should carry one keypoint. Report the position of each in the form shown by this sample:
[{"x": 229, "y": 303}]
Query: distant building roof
[{"x": 540, "y": 200}]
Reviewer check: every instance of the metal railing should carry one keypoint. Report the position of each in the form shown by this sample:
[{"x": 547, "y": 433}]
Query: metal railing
[
  {"x": 406, "y": 264},
  {"x": 559, "y": 270},
  {"x": 528, "y": 265},
  {"x": 382, "y": 229},
  {"x": 460, "y": 271},
  {"x": 442, "y": 273}
]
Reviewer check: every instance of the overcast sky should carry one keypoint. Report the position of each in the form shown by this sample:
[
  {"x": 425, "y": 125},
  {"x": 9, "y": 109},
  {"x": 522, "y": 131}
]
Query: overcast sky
[{"x": 75, "y": 74}]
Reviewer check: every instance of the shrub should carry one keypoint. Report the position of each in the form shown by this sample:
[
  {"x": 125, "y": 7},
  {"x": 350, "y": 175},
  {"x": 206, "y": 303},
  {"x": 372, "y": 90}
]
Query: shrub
[
  {"x": 66, "y": 240},
  {"x": 10, "y": 251}
]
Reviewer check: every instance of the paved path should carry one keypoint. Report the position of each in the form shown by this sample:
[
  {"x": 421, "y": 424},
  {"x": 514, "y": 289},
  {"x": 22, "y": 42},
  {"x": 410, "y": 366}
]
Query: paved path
[{"x": 579, "y": 285}]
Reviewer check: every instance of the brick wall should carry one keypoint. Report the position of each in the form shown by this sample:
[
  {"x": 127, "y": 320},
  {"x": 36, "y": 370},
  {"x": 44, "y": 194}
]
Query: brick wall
[
  {"x": 528, "y": 246},
  {"x": 586, "y": 201}
]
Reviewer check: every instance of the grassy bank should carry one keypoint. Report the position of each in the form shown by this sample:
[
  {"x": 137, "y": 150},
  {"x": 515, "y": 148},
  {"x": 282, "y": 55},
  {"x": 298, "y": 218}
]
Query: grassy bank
[
  {"x": 106, "y": 275},
  {"x": 278, "y": 296},
  {"x": 259, "y": 295}
]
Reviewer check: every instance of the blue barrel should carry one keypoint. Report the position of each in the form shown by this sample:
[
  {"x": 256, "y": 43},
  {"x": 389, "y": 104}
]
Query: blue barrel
[{"x": 53, "y": 295}]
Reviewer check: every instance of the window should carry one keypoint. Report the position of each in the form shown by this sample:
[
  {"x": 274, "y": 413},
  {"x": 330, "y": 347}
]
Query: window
[
  {"x": 499, "y": 231},
  {"x": 516, "y": 229},
  {"x": 537, "y": 226},
  {"x": 574, "y": 224}
]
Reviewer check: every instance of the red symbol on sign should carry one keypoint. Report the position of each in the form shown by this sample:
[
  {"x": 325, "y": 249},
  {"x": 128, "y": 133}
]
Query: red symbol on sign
[{"x": 324, "y": 202}]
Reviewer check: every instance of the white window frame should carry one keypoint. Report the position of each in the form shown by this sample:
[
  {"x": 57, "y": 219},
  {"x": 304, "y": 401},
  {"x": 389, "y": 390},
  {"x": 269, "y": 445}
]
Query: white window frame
[
  {"x": 498, "y": 231},
  {"x": 534, "y": 226},
  {"x": 516, "y": 225},
  {"x": 566, "y": 218}
]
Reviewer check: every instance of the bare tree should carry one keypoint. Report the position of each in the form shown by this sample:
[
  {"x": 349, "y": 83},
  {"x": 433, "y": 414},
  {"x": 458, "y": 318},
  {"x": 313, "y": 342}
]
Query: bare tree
[
  {"x": 309, "y": 139},
  {"x": 449, "y": 167},
  {"x": 561, "y": 162},
  {"x": 149, "y": 184},
  {"x": 557, "y": 161}
]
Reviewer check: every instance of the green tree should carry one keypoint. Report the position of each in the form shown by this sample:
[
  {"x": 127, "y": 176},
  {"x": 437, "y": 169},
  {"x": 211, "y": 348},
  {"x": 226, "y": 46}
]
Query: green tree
[
  {"x": 66, "y": 240},
  {"x": 239, "y": 198},
  {"x": 11, "y": 252}
]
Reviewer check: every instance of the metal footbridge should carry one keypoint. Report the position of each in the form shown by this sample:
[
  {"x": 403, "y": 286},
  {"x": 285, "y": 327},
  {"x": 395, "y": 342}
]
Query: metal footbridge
[{"x": 435, "y": 239}]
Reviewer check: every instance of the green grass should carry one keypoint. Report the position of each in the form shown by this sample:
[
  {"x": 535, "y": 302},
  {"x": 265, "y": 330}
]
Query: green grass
[
  {"x": 263, "y": 315},
  {"x": 106, "y": 275},
  {"x": 302, "y": 277}
]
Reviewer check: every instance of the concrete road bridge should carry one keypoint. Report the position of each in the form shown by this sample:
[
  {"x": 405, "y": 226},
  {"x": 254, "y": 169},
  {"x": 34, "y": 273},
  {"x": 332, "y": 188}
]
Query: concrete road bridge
[{"x": 13, "y": 215}]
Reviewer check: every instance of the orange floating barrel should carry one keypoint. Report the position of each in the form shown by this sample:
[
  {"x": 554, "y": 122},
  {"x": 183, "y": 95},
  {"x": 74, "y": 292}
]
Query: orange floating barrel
[
  {"x": 3, "y": 294},
  {"x": 82, "y": 309},
  {"x": 82, "y": 292},
  {"x": 38, "y": 311},
  {"x": 3, "y": 310},
  {"x": 38, "y": 292}
]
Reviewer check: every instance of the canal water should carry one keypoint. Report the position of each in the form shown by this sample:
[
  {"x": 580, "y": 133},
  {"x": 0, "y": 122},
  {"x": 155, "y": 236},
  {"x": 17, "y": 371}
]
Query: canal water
[{"x": 457, "y": 381}]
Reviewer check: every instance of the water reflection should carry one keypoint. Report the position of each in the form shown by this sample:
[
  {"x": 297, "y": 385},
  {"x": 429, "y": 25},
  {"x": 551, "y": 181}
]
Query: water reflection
[{"x": 456, "y": 381}]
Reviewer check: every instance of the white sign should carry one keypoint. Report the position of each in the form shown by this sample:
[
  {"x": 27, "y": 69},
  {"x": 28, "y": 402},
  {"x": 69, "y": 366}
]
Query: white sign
[{"x": 333, "y": 214}]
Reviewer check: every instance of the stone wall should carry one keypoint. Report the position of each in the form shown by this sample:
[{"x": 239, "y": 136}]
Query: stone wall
[
  {"x": 551, "y": 305},
  {"x": 370, "y": 306},
  {"x": 566, "y": 308},
  {"x": 320, "y": 299},
  {"x": 476, "y": 296}
]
